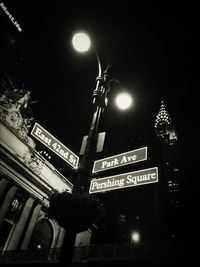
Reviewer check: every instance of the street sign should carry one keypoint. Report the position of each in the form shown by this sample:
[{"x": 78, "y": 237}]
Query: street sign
[
  {"x": 99, "y": 145},
  {"x": 56, "y": 146},
  {"x": 136, "y": 178},
  {"x": 119, "y": 160}
]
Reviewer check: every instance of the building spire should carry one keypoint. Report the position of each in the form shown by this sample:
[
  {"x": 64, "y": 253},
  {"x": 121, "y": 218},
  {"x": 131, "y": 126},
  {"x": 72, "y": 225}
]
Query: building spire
[
  {"x": 163, "y": 117},
  {"x": 163, "y": 126}
]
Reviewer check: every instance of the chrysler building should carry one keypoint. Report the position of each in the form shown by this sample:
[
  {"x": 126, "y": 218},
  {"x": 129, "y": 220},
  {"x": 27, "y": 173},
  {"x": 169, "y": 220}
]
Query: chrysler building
[{"x": 172, "y": 181}]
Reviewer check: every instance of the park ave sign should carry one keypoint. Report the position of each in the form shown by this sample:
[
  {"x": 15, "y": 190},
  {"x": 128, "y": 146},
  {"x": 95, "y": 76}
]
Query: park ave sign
[
  {"x": 56, "y": 146},
  {"x": 124, "y": 180},
  {"x": 119, "y": 160}
]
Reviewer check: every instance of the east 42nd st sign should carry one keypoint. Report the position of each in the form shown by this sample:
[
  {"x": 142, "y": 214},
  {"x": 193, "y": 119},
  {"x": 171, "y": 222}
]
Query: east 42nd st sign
[{"x": 56, "y": 146}]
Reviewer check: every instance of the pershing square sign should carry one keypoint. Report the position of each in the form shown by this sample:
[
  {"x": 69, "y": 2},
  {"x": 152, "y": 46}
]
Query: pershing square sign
[{"x": 120, "y": 181}]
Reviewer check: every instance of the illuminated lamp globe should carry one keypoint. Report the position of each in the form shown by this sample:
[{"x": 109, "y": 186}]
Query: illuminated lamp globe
[
  {"x": 81, "y": 42},
  {"x": 123, "y": 101}
]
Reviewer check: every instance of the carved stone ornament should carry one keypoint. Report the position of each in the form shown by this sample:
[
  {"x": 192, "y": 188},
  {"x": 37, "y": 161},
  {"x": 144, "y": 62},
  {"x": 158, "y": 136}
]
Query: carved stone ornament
[
  {"x": 14, "y": 119},
  {"x": 13, "y": 116},
  {"x": 35, "y": 164}
]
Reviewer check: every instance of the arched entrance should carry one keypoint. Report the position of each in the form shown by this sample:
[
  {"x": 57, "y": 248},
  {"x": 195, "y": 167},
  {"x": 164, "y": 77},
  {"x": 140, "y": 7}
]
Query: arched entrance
[{"x": 42, "y": 236}]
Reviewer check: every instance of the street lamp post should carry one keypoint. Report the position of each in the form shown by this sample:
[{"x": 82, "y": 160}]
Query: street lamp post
[
  {"x": 84, "y": 171},
  {"x": 99, "y": 97},
  {"x": 99, "y": 103}
]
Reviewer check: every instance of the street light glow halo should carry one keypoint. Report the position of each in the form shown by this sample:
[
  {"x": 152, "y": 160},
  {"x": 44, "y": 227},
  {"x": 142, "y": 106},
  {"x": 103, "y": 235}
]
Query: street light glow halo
[
  {"x": 81, "y": 42},
  {"x": 123, "y": 101},
  {"x": 135, "y": 236}
]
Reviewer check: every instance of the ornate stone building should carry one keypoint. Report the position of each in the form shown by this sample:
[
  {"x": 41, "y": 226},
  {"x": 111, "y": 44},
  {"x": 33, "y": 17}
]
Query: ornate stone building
[{"x": 27, "y": 180}]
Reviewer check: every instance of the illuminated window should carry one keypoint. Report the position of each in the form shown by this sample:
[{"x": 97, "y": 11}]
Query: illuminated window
[{"x": 15, "y": 204}]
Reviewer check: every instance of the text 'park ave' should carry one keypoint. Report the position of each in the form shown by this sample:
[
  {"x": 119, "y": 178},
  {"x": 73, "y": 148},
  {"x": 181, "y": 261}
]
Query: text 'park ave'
[{"x": 120, "y": 160}]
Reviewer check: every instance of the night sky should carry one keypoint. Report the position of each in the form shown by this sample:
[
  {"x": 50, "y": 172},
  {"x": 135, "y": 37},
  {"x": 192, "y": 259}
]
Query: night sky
[{"x": 154, "y": 53}]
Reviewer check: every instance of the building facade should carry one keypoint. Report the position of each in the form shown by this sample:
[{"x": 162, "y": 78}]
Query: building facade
[
  {"x": 27, "y": 178},
  {"x": 26, "y": 183}
]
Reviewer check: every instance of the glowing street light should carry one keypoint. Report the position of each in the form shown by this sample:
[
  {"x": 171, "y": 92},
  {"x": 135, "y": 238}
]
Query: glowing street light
[
  {"x": 123, "y": 101},
  {"x": 81, "y": 42},
  {"x": 135, "y": 237}
]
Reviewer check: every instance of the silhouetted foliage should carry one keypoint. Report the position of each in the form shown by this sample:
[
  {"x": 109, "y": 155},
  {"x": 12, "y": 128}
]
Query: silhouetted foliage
[{"x": 77, "y": 211}]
